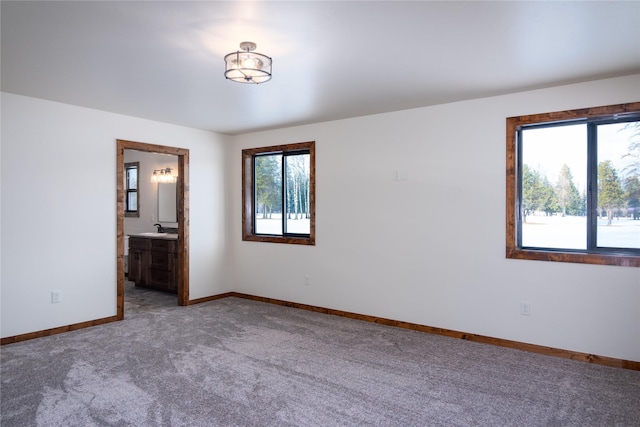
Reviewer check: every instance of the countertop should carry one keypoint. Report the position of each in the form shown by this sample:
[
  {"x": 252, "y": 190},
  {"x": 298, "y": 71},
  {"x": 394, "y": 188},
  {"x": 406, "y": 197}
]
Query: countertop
[{"x": 154, "y": 235}]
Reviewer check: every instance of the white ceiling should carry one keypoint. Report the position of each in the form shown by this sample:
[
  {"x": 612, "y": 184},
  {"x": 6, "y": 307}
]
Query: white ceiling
[{"x": 163, "y": 60}]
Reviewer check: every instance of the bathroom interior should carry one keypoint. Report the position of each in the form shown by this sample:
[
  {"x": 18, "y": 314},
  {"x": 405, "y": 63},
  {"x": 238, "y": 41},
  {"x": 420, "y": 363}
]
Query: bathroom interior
[{"x": 150, "y": 234}]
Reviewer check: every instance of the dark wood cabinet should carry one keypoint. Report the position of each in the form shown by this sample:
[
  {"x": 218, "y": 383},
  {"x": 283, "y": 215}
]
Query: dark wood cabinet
[{"x": 153, "y": 263}]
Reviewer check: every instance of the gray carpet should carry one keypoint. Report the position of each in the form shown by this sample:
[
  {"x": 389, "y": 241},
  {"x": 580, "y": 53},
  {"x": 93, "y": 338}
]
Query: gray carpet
[{"x": 235, "y": 362}]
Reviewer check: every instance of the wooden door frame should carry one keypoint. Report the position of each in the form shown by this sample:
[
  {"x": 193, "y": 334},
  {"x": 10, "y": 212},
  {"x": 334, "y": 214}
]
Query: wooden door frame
[{"x": 183, "y": 216}]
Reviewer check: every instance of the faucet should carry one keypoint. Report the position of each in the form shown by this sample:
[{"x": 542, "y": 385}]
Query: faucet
[{"x": 159, "y": 227}]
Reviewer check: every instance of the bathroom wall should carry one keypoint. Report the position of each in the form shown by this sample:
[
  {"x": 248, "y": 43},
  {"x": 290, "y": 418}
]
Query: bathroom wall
[{"x": 148, "y": 191}]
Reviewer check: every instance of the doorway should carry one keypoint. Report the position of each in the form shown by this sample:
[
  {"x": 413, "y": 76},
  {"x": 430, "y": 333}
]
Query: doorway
[{"x": 183, "y": 217}]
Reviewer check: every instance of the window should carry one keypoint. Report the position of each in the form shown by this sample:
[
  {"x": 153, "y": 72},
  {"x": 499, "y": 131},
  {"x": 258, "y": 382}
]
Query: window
[
  {"x": 278, "y": 193},
  {"x": 573, "y": 186},
  {"x": 132, "y": 201}
]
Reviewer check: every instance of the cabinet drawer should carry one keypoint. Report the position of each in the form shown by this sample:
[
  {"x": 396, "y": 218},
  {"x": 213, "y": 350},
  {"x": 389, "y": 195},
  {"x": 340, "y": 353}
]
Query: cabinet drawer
[
  {"x": 162, "y": 279},
  {"x": 161, "y": 260},
  {"x": 138, "y": 243},
  {"x": 163, "y": 245}
]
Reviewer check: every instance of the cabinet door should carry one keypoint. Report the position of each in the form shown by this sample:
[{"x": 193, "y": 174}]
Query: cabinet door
[
  {"x": 174, "y": 273},
  {"x": 135, "y": 266}
]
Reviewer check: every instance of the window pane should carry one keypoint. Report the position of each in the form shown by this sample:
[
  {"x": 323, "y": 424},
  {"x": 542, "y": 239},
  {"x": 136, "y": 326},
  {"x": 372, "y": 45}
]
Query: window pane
[
  {"x": 132, "y": 201},
  {"x": 298, "y": 212},
  {"x": 132, "y": 178},
  {"x": 268, "y": 194},
  {"x": 554, "y": 180},
  {"x": 619, "y": 185}
]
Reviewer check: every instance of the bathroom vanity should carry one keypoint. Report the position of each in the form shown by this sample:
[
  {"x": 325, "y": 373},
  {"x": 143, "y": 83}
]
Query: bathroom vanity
[{"x": 153, "y": 261}]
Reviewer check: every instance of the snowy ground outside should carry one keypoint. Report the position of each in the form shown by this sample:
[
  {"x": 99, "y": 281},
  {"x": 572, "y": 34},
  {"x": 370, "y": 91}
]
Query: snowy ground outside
[
  {"x": 274, "y": 225},
  {"x": 569, "y": 232}
]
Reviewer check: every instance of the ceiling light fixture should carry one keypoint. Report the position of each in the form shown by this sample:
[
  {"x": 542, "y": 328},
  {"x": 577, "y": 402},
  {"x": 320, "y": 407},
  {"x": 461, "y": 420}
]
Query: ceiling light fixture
[{"x": 247, "y": 66}]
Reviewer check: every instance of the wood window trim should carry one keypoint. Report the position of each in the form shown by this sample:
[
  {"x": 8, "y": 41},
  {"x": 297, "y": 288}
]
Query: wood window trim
[
  {"x": 136, "y": 213},
  {"x": 247, "y": 194},
  {"x": 512, "y": 249}
]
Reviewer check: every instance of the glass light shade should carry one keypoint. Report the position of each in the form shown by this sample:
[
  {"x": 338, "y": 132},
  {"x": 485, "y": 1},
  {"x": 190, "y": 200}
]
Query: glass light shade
[
  {"x": 247, "y": 67},
  {"x": 163, "y": 175}
]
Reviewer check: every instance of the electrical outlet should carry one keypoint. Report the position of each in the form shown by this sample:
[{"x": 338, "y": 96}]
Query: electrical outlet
[
  {"x": 56, "y": 296},
  {"x": 525, "y": 308},
  {"x": 307, "y": 280}
]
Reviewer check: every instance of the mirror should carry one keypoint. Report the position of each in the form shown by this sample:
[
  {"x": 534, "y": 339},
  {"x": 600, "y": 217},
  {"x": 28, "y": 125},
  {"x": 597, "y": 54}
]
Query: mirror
[{"x": 167, "y": 202}]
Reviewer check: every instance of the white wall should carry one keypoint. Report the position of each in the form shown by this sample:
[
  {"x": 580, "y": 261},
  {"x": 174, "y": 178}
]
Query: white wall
[
  {"x": 147, "y": 190},
  {"x": 384, "y": 248},
  {"x": 431, "y": 250},
  {"x": 59, "y": 210}
]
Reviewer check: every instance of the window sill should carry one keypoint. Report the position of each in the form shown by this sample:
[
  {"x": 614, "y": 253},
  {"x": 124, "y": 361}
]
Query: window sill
[
  {"x": 309, "y": 241},
  {"x": 582, "y": 258}
]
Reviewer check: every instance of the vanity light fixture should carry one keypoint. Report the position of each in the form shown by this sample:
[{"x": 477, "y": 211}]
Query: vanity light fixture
[
  {"x": 247, "y": 66},
  {"x": 163, "y": 175}
]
